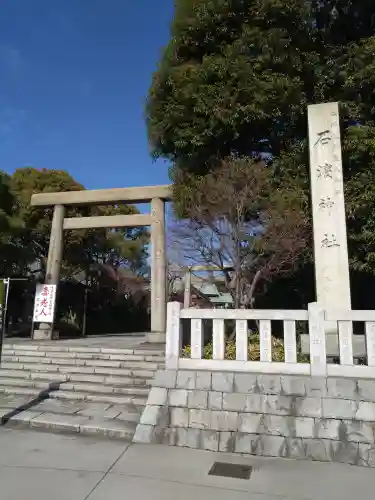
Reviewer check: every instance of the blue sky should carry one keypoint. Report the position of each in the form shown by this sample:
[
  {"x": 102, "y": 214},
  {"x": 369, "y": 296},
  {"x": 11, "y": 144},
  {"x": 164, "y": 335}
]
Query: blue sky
[{"x": 74, "y": 75}]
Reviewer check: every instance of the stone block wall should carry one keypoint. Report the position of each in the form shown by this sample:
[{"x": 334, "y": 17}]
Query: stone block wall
[{"x": 325, "y": 419}]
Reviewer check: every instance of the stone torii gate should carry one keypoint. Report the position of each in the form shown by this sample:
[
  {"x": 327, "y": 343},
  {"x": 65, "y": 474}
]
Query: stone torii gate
[{"x": 157, "y": 195}]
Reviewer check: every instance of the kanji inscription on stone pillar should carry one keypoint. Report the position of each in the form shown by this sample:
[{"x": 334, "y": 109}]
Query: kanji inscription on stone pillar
[{"x": 328, "y": 207}]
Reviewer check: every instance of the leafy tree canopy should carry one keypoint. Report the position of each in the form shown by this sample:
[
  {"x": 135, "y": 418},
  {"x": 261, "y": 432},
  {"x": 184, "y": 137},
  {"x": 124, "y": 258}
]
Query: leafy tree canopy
[
  {"x": 236, "y": 79},
  {"x": 6, "y": 202},
  {"x": 9, "y": 251},
  {"x": 237, "y": 75},
  {"x": 28, "y": 229}
]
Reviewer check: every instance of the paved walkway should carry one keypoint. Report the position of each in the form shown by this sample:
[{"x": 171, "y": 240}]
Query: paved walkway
[{"x": 38, "y": 466}]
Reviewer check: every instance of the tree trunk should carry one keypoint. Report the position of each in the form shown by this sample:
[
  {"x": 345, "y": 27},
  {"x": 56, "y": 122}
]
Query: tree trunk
[
  {"x": 237, "y": 269},
  {"x": 253, "y": 287}
]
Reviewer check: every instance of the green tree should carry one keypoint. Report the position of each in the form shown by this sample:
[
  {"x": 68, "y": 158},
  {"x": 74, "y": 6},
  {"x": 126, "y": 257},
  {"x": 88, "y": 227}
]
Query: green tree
[
  {"x": 84, "y": 250},
  {"x": 237, "y": 75},
  {"x": 109, "y": 263},
  {"x": 11, "y": 253},
  {"x": 35, "y": 222},
  {"x": 6, "y": 202},
  {"x": 236, "y": 78}
]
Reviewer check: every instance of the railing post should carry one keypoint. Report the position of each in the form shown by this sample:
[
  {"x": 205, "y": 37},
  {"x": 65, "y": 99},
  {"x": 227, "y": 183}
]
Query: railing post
[
  {"x": 318, "y": 356},
  {"x": 174, "y": 336}
]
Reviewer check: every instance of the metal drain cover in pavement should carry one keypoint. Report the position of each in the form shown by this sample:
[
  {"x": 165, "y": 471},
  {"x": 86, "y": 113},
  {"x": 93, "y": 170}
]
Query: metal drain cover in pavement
[{"x": 236, "y": 471}]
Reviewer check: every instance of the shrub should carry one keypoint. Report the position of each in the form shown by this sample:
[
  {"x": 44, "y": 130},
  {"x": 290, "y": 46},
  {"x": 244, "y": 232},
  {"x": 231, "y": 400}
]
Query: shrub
[{"x": 253, "y": 350}]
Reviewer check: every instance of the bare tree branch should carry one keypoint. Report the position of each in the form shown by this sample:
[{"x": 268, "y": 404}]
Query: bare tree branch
[{"x": 240, "y": 217}]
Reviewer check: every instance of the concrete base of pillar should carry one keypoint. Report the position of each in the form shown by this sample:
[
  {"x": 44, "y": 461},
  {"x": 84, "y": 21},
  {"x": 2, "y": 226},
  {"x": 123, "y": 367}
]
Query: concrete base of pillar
[
  {"x": 156, "y": 337},
  {"x": 45, "y": 334}
]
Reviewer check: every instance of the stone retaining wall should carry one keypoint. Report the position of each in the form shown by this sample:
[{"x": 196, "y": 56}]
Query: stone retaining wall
[{"x": 325, "y": 419}]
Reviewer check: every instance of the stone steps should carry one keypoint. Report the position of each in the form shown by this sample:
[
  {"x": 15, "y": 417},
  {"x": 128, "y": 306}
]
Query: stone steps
[
  {"x": 50, "y": 348},
  {"x": 105, "y": 379},
  {"x": 87, "y": 377},
  {"x": 109, "y": 398},
  {"x": 106, "y": 363},
  {"x": 79, "y": 417},
  {"x": 75, "y": 424},
  {"x": 76, "y": 387},
  {"x": 39, "y": 355},
  {"x": 130, "y": 371},
  {"x": 99, "y": 398}
]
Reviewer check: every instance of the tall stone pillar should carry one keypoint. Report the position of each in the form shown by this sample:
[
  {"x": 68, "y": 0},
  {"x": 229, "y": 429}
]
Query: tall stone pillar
[
  {"x": 53, "y": 263},
  {"x": 55, "y": 246},
  {"x": 328, "y": 208},
  {"x": 158, "y": 272}
]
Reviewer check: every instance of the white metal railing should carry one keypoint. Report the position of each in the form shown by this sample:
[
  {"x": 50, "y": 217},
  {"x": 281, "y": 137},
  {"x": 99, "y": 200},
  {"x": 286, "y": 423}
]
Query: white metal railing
[{"x": 316, "y": 318}]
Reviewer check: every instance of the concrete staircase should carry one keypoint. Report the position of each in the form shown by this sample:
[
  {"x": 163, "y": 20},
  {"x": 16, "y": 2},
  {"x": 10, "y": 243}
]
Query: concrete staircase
[{"x": 77, "y": 388}]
